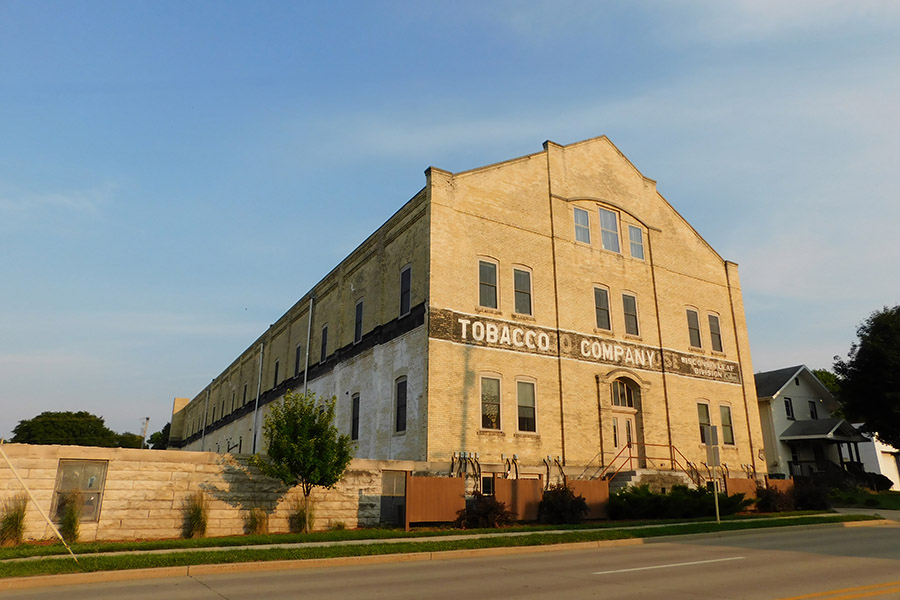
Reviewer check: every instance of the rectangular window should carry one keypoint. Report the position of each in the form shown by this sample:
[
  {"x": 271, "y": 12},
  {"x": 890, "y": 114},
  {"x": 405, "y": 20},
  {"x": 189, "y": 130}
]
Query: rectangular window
[
  {"x": 582, "y": 226},
  {"x": 275, "y": 377},
  {"x": 636, "y": 237},
  {"x": 400, "y": 417},
  {"x": 298, "y": 354},
  {"x": 490, "y": 403},
  {"x": 525, "y": 399},
  {"x": 629, "y": 304},
  {"x": 693, "y": 320},
  {"x": 354, "y": 418},
  {"x": 245, "y": 395},
  {"x": 80, "y": 481},
  {"x": 324, "y": 352},
  {"x": 727, "y": 426},
  {"x": 609, "y": 230},
  {"x": 487, "y": 284},
  {"x": 358, "y": 322},
  {"x": 789, "y": 409},
  {"x": 601, "y": 307},
  {"x": 703, "y": 417},
  {"x": 233, "y": 397},
  {"x": 615, "y": 426},
  {"x": 813, "y": 411},
  {"x": 715, "y": 336},
  {"x": 405, "y": 290},
  {"x": 522, "y": 285}
]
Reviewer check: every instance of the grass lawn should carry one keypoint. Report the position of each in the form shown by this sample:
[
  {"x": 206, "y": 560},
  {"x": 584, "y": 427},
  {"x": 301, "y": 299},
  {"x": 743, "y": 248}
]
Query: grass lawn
[
  {"x": 886, "y": 500},
  {"x": 607, "y": 531}
]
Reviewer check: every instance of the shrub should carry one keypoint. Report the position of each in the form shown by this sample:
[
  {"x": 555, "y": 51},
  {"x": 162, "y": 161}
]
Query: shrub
[
  {"x": 483, "y": 512},
  {"x": 256, "y": 521},
  {"x": 338, "y": 526},
  {"x": 12, "y": 520},
  {"x": 680, "y": 503},
  {"x": 810, "y": 496},
  {"x": 878, "y": 482},
  {"x": 196, "y": 507},
  {"x": 70, "y": 523},
  {"x": 559, "y": 504},
  {"x": 769, "y": 500}
]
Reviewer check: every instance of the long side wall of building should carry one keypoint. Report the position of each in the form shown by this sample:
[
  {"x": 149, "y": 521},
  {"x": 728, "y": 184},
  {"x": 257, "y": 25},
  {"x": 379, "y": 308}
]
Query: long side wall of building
[{"x": 344, "y": 358}]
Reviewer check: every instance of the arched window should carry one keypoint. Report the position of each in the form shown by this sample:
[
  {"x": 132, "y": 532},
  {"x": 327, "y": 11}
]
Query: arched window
[{"x": 625, "y": 393}]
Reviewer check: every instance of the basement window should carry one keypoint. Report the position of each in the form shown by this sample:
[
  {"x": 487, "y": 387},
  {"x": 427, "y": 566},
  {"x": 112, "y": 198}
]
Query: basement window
[{"x": 80, "y": 482}]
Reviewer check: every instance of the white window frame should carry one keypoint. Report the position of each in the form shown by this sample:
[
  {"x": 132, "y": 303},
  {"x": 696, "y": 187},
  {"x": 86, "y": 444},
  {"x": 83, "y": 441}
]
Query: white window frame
[
  {"x": 582, "y": 230},
  {"x": 707, "y": 424},
  {"x": 526, "y": 381},
  {"x": 609, "y": 238},
  {"x": 481, "y": 379},
  {"x": 638, "y": 243}
]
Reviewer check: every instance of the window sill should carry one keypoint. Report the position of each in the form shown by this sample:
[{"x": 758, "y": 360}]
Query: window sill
[
  {"x": 528, "y": 435},
  {"x": 491, "y": 432},
  {"x": 399, "y": 433},
  {"x": 487, "y": 310},
  {"x": 631, "y": 336},
  {"x": 718, "y": 354},
  {"x": 603, "y": 331},
  {"x": 521, "y": 317}
]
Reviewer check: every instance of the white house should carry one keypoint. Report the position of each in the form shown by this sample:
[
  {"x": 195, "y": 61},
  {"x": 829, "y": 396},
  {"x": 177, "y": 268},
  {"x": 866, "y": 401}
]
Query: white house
[{"x": 799, "y": 433}]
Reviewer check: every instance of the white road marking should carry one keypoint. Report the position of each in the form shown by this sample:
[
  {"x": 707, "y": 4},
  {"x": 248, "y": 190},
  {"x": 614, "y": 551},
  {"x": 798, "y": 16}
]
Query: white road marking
[{"x": 684, "y": 564}]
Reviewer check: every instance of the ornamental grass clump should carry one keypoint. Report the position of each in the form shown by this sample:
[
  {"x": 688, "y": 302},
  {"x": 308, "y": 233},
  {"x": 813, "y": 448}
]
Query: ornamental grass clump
[
  {"x": 256, "y": 521},
  {"x": 196, "y": 509},
  {"x": 70, "y": 521},
  {"x": 12, "y": 521}
]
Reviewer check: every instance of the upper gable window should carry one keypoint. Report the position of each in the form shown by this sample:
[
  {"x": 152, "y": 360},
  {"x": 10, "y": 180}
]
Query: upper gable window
[
  {"x": 358, "y": 323},
  {"x": 636, "y": 237},
  {"x": 582, "y": 226},
  {"x": 609, "y": 230},
  {"x": 487, "y": 284}
]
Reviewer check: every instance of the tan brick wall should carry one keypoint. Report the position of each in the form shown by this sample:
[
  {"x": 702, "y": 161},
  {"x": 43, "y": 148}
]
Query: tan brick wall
[{"x": 502, "y": 213}]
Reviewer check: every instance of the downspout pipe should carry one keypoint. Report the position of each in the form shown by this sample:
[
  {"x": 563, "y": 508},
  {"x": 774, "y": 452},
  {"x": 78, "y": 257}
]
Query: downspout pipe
[
  {"x": 312, "y": 298},
  {"x": 205, "y": 417},
  {"x": 258, "y": 393}
]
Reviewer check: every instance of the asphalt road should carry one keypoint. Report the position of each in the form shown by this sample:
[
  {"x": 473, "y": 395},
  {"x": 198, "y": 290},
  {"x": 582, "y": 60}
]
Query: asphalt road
[{"x": 817, "y": 563}]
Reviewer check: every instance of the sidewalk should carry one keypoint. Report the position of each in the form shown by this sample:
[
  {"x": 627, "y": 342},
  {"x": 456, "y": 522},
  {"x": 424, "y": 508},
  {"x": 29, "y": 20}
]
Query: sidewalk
[{"x": 893, "y": 515}]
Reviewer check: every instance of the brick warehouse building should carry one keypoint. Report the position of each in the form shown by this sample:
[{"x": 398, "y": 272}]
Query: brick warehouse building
[{"x": 550, "y": 306}]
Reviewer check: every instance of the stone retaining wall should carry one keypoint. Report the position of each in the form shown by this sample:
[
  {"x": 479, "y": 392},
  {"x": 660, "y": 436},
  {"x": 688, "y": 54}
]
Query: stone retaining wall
[{"x": 145, "y": 491}]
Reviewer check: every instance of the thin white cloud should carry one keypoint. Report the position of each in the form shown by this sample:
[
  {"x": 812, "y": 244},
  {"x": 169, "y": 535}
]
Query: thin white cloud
[{"x": 88, "y": 201}]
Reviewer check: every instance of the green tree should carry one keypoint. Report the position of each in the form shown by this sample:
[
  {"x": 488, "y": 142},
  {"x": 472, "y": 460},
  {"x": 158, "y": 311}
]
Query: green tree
[
  {"x": 829, "y": 380},
  {"x": 869, "y": 380},
  {"x": 303, "y": 446},
  {"x": 129, "y": 440},
  {"x": 71, "y": 428},
  {"x": 160, "y": 439}
]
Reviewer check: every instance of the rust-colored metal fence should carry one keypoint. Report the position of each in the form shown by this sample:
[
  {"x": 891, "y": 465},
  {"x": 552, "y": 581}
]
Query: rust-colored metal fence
[
  {"x": 596, "y": 493},
  {"x": 521, "y": 496},
  {"x": 433, "y": 499}
]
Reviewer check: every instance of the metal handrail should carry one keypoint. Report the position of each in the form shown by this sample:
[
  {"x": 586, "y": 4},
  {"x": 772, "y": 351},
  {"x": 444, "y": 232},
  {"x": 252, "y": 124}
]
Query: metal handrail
[{"x": 697, "y": 479}]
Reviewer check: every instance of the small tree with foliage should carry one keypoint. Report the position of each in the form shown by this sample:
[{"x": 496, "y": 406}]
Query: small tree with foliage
[
  {"x": 869, "y": 380},
  {"x": 303, "y": 446}
]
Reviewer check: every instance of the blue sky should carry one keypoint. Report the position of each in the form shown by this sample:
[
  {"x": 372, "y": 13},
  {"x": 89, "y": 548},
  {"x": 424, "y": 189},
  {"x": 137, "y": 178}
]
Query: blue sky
[{"x": 174, "y": 175}]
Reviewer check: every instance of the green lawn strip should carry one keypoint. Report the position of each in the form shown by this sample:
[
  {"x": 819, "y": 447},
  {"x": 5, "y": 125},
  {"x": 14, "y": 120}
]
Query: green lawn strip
[
  {"x": 50, "y": 566},
  {"x": 865, "y": 499},
  {"x": 30, "y": 550}
]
